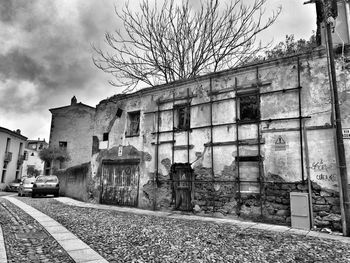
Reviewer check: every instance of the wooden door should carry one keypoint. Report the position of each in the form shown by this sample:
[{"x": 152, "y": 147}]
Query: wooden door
[
  {"x": 120, "y": 183},
  {"x": 182, "y": 178}
]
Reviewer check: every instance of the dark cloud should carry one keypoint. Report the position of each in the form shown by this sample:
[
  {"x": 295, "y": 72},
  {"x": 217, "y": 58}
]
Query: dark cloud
[
  {"x": 6, "y": 10},
  {"x": 54, "y": 50},
  {"x": 45, "y": 57},
  {"x": 18, "y": 65}
]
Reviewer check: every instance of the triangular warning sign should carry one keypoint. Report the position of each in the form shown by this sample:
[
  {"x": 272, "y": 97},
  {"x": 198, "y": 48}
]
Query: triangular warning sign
[{"x": 280, "y": 140}]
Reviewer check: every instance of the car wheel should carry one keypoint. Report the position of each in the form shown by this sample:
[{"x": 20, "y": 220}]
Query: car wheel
[
  {"x": 19, "y": 194},
  {"x": 33, "y": 195}
]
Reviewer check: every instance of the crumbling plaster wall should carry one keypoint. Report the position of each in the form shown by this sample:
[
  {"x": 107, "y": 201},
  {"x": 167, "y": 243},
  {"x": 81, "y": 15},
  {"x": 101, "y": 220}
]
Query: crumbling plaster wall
[{"x": 283, "y": 161}]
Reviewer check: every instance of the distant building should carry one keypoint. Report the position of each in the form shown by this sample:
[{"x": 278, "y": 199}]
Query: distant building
[
  {"x": 11, "y": 155},
  {"x": 31, "y": 154},
  {"x": 71, "y": 129}
]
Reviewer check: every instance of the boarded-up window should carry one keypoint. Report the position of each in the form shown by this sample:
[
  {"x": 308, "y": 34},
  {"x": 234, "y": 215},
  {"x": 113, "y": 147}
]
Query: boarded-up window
[
  {"x": 183, "y": 120},
  {"x": 248, "y": 107},
  {"x": 134, "y": 123}
]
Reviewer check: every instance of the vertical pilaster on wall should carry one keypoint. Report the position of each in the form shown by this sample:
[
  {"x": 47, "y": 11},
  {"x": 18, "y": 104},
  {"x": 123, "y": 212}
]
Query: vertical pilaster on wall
[
  {"x": 300, "y": 125},
  {"x": 259, "y": 143},
  {"x": 155, "y": 176},
  {"x": 211, "y": 138},
  {"x": 237, "y": 148}
]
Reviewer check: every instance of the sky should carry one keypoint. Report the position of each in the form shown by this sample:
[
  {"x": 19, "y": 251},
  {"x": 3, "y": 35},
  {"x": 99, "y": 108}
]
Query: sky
[{"x": 46, "y": 54}]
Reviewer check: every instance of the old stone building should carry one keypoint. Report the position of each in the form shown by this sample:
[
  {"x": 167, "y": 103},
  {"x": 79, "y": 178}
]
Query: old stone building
[
  {"x": 233, "y": 143},
  {"x": 72, "y": 130}
]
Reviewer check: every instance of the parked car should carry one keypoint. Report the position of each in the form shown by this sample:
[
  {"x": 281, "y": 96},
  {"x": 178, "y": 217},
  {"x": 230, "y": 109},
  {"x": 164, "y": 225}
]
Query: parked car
[
  {"x": 46, "y": 184},
  {"x": 26, "y": 186},
  {"x": 13, "y": 187}
]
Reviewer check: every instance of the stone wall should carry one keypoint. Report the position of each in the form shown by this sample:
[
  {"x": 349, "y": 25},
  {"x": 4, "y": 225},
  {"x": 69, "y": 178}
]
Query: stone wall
[{"x": 76, "y": 182}]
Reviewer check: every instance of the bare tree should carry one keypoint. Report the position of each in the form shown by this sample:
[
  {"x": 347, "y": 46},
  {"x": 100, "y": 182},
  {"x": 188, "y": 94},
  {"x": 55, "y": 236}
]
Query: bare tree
[{"x": 161, "y": 44}]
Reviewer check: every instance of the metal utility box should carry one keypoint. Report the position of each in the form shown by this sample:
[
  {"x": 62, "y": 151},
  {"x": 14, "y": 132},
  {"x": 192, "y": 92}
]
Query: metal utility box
[{"x": 300, "y": 211}]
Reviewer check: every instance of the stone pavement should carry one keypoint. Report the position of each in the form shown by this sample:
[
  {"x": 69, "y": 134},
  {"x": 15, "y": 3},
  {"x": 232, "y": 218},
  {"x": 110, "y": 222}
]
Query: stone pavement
[
  {"x": 243, "y": 224},
  {"x": 76, "y": 249}
]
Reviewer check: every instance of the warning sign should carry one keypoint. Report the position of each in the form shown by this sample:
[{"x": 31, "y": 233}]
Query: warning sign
[
  {"x": 280, "y": 144},
  {"x": 346, "y": 133}
]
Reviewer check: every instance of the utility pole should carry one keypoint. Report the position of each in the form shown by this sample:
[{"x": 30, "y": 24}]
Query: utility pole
[
  {"x": 343, "y": 175},
  {"x": 329, "y": 14}
]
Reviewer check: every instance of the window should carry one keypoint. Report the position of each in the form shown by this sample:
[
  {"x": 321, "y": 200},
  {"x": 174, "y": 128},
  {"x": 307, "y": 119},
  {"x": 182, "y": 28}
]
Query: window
[
  {"x": 182, "y": 117},
  {"x": 17, "y": 175},
  {"x": 105, "y": 136},
  {"x": 5, "y": 165},
  {"x": 8, "y": 143},
  {"x": 248, "y": 108},
  {"x": 20, "y": 148},
  {"x": 25, "y": 155},
  {"x": 32, "y": 154},
  {"x": 3, "y": 175},
  {"x": 133, "y": 123},
  {"x": 62, "y": 144}
]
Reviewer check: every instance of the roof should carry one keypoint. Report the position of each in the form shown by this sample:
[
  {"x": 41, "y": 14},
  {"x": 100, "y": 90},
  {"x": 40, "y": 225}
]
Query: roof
[
  {"x": 319, "y": 52},
  {"x": 13, "y": 133},
  {"x": 37, "y": 141},
  {"x": 74, "y": 105}
]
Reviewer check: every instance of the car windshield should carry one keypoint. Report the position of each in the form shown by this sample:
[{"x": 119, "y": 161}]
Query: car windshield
[
  {"x": 47, "y": 179},
  {"x": 29, "y": 180}
]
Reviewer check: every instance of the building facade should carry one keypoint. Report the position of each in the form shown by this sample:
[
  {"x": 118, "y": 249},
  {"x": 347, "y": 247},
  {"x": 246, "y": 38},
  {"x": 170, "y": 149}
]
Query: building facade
[
  {"x": 72, "y": 130},
  {"x": 12, "y": 145},
  {"x": 233, "y": 143},
  {"x": 32, "y": 159}
]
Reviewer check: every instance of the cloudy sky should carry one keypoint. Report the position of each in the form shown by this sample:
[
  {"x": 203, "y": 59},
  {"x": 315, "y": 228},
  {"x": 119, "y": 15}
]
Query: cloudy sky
[{"x": 45, "y": 54}]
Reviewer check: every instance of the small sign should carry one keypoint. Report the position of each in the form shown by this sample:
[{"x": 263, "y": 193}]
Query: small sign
[
  {"x": 280, "y": 144},
  {"x": 346, "y": 133},
  {"x": 120, "y": 150}
]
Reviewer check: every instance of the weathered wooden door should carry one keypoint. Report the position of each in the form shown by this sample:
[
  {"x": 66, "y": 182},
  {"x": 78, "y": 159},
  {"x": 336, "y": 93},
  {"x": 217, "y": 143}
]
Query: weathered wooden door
[
  {"x": 120, "y": 183},
  {"x": 182, "y": 178}
]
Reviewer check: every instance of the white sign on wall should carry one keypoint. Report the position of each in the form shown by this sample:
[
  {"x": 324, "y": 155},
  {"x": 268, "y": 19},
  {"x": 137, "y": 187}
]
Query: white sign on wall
[
  {"x": 346, "y": 133},
  {"x": 120, "y": 150}
]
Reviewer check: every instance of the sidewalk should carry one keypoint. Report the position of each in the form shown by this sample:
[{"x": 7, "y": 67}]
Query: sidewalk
[
  {"x": 242, "y": 224},
  {"x": 76, "y": 248}
]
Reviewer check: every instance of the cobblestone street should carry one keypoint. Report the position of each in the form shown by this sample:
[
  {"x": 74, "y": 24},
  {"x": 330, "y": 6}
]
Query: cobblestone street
[
  {"x": 25, "y": 238},
  {"x": 127, "y": 237}
]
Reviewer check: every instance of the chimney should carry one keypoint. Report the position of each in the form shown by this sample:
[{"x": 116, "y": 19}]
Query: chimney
[
  {"x": 18, "y": 131},
  {"x": 73, "y": 101}
]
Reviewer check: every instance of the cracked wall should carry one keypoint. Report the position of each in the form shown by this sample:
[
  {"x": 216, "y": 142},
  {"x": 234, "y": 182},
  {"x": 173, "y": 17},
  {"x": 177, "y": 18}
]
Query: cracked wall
[{"x": 216, "y": 189}]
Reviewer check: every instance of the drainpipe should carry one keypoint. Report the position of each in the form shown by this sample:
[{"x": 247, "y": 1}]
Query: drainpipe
[{"x": 343, "y": 176}]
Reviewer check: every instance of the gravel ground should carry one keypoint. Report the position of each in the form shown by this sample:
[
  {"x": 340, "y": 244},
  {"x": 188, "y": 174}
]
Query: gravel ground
[
  {"x": 123, "y": 237},
  {"x": 26, "y": 240}
]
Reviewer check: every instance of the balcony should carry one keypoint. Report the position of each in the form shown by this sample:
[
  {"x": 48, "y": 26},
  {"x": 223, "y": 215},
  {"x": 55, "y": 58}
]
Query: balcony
[{"x": 8, "y": 157}]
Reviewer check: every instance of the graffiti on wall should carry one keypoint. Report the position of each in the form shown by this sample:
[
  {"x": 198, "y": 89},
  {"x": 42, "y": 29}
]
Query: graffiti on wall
[{"x": 324, "y": 171}]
